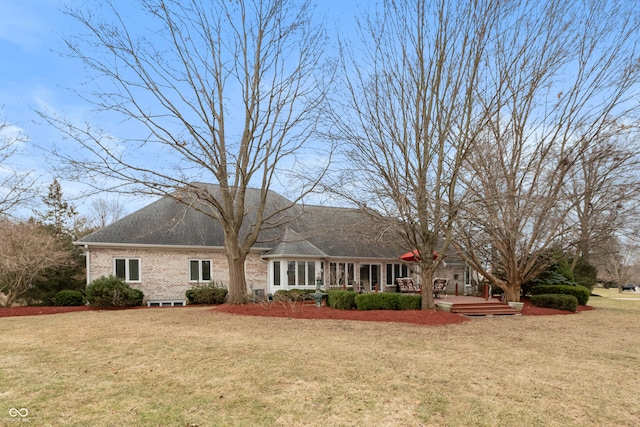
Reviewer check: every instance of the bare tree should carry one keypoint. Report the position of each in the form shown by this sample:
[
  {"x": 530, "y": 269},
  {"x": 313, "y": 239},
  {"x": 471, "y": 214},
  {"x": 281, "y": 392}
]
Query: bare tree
[
  {"x": 16, "y": 185},
  {"x": 103, "y": 212},
  {"x": 616, "y": 261},
  {"x": 560, "y": 78},
  {"x": 228, "y": 93},
  {"x": 605, "y": 191},
  {"x": 409, "y": 116},
  {"x": 28, "y": 251}
]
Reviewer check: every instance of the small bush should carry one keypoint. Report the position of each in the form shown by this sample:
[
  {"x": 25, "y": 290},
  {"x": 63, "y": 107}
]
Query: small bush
[
  {"x": 112, "y": 291},
  {"x": 293, "y": 295},
  {"x": 558, "y": 301},
  {"x": 343, "y": 300},
  {"x": 388, "y": 301},
  {"x": 211, "y": 293},
  {"x": 580, "y": 292},
  {"x": 69, "y": 298}
]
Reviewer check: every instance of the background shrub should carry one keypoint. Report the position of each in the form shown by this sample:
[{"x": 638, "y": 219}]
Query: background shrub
[
  {"x": 293, "y": 295},
  {"x": 69, "y": 298},
  {"x": 112, "y": 291},
  {"x": 388, "y": 301},
  {"x": 343, "y": 300},
  {"x": 558, "y": 301},
  {"x": 210, "y": 293},
  {"x": 580, "y": 292}
]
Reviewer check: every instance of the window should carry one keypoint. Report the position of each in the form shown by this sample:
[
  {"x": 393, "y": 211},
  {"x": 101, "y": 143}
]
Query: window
[
  {"x": 298, "y": 273},
  {"x": 341, "y": 274},
  {"x": 180, "y": 303},
  {"x": 200, "y": 270},
  {"x": 394, "y": 271},
  {"x": 128, "y": 269},
  {"x": 276, "y": 273}
]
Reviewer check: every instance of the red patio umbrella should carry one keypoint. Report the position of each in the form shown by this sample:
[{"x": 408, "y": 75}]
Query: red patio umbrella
[{"x": 413, "y": 256}]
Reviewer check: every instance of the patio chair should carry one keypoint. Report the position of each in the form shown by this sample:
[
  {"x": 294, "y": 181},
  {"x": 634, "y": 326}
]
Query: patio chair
[
  {"x": 406, "y": 285},
  {"x": 439, "y": 286}
]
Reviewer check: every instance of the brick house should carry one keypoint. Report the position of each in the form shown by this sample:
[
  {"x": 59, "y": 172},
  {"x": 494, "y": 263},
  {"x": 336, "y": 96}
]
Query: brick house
[{"x": 167, "y": 247}]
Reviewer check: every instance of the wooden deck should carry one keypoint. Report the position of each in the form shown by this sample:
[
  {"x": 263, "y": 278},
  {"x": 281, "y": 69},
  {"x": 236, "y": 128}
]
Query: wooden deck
[{"x": 476, "y": 306}]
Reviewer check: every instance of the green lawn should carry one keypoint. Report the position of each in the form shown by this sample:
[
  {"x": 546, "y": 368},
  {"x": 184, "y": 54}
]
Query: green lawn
[{"x": 193, "y": 366}]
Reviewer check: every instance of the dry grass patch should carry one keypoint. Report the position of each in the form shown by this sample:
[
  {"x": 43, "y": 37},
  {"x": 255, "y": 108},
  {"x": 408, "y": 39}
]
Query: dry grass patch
[{"x": 182, "y": 366}]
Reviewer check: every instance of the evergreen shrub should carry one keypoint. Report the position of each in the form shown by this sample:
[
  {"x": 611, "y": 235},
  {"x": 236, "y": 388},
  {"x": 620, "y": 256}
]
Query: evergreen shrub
[
  {"x": 557, "y": 301},
  {"x": 69, "y": 298},
  {"x": 210, "y": 293},
  {"x": 388, "y": 301},
  {"x": 112, "y": 291},
  {"x": 343, "y": 300},
  {"x": 580, "y": 292}
]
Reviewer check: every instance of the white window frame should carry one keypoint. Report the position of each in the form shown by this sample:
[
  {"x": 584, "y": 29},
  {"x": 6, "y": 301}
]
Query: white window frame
[
  {"x": 127, "y": 269},
  {"x": 284, "y": 273},
  {"x": 342, "y": 274},
  {"x": 200, "y": 278},
  {"x": 369, "y": 286},
  {"x": 401, "y": 268}
]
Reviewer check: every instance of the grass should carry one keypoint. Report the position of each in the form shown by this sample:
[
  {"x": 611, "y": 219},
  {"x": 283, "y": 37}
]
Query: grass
[{"x": 193, "y": 366}]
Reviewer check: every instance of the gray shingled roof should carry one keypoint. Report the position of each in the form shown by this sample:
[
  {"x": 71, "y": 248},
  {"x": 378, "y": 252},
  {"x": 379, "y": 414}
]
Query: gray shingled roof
[
  {"x": 305, "y": 230},
  {"x": 293, "y": 243}
]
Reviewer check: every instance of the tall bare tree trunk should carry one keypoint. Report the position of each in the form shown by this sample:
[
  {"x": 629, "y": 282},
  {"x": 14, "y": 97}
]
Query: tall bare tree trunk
[
  {"x": 235, "y": 259},
  {"x": 512, "y": 293},
  {"x": 426, "y": 289}
]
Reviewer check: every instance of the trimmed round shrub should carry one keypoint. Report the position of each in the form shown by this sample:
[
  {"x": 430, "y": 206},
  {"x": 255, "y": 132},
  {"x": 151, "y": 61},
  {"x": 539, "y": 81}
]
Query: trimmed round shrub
[
  {"x": 580, "y": 292},
  {"x": 343, "y": 300},
  {"x": 211, "y": 293},
  {"x": 107, "y": 292},
  {"x": 69, "y": 298},
  {"x": 557, "y": 301}
]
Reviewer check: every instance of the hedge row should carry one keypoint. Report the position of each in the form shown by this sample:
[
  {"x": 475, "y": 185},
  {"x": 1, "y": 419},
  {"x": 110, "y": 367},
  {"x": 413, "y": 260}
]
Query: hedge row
[
  {"x": 558, "y": 301},
  {"x": 343, "y": 300},
  {"x": 388, "y": 301},
  {"x": 580, "y": 292},
  {"x": 347, "y": 300}
]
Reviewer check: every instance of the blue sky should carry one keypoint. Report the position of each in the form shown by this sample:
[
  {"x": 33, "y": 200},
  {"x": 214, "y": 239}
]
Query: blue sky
[{"x": 35, "y": 76}]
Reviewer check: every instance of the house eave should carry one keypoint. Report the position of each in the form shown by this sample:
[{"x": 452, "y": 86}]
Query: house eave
[{"x": 106, "y": 245}]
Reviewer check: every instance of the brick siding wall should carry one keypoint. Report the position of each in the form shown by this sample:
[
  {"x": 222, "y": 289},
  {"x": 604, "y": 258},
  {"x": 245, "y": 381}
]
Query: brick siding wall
[{"x": 164, "y": 273}]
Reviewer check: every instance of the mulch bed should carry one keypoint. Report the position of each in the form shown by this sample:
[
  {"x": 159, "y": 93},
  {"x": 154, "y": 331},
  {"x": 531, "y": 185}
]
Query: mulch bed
[
  {"x": 310, "y": 311},
  {"x": 416, "y": 317},
  {"x": 34, "y": 311}
]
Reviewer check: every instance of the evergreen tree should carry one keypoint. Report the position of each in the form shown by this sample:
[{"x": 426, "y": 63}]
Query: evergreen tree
[{"x": 61, "y": 221}]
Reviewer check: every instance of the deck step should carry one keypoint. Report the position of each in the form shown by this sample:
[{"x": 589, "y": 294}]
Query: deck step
[{"x": 483, "y": 309}]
